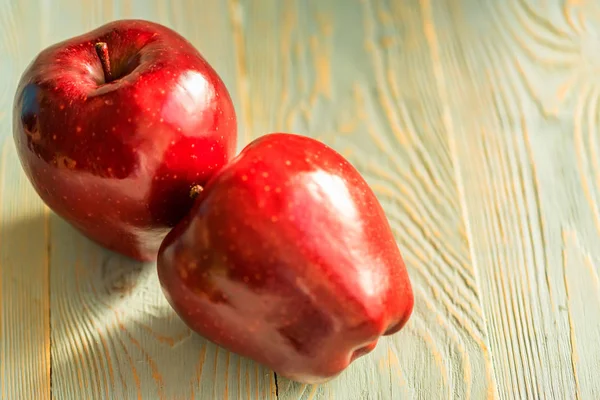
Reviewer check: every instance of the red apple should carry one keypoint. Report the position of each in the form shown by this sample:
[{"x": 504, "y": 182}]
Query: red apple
[
  {"x": 287, "y": 258},
  {"x": 115, "y": 126}
]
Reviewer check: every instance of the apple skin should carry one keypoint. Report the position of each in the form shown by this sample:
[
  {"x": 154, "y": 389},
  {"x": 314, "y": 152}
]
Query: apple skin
[
  {"x": 287, "y": 258},
  {"x": 117, "y": 159}
]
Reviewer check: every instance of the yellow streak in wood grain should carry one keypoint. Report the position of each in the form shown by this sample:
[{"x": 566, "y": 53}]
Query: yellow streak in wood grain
[
  {"x": 349, "y": 125},
  {"x": 528, "y": 86},
  {"x": 384, "y": 17},
  {"x": 382, "y": 189},
  {"x": 567, "y": 236},
  {"x": 272, "y": 386},
  {"x": 108, "y": 11},
  {"x": 587, "y": 261},
  {"x": 566, "y": 87},
  {"x": 127, "y": 9},
  {"x": 248, "y": 383},
  {"x": 321, "y": 56},
  {"x": 106, "y": 354},
  {"x": 313, "y": 392},
  {"x": 321, "y": 53},
  {"x": 359, "y": 101},
  {"x": 298, "y": 50},
  {"x": 288, "y": 25},
  {"x": 242, "y": 73},
  {"x": 239, "y": 373},
  {"x": 198, "y": 376},
  {"x": 289, "y": 121},
  {"x": 528, "y": 24},
  {"x": 558, "y": 63},
  {"x": 466, "y": 362},
  {"x": 121, "y": 377},
  {"x": 168, "y": 340},
  {"x": 435, "y": 352},
  {"x": 535, "y": 18},
  {"x": 226, "y": 378},
  {"x": 153, "y": 367},
  {"x": 394, "y": 363},
  {"x": 387, "y": 42},
  {"x": 216, "y": 364},
  {"x": 256, "y": 375},
  {"x": 590, "y": 11},
  {"x": 385, "y": 102},
  {"x": 594, "y": 276},
  {"x": 136, "y": 377},
  {"x": 567, "y": 12}
]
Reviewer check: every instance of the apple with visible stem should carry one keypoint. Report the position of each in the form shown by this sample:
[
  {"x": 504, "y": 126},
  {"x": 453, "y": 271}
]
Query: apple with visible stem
[
  {"x": 287, "y": 258},
  {"x": 113, "y": 128}
]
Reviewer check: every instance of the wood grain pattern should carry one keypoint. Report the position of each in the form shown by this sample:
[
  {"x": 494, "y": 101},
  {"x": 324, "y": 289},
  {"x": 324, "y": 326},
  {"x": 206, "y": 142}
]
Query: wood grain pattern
[
  {"x": 526, "y": 168},
  {"x": 24, "y": 300},
  {"x": 474, "y": 121}
]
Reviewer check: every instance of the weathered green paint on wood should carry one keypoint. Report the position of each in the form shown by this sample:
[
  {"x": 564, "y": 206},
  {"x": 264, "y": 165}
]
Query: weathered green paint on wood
[{"x": 474, "y": 121}]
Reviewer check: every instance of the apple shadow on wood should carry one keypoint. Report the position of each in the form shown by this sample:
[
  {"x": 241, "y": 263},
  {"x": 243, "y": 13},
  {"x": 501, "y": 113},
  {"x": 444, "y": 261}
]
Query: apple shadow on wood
[
  {"x": 112, "y": 326},
  {"x": 113, "y": 334}
]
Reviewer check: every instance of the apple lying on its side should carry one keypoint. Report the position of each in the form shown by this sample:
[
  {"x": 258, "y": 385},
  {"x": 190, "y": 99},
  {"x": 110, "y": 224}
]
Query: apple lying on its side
[
  {"x": 115, "y": 126},
  {"x": 287, "y": 258}
]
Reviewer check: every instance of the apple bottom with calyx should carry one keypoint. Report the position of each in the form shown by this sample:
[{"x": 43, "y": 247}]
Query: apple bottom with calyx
[{"x": 287, "y": 258}]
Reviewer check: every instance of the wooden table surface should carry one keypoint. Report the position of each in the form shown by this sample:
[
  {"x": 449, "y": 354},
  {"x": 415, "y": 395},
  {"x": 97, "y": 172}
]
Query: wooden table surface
[{"x": 476, "y": 122}]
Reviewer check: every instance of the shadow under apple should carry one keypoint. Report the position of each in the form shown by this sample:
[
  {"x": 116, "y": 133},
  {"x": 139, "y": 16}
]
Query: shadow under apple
[{"x": 115, "y": 336}]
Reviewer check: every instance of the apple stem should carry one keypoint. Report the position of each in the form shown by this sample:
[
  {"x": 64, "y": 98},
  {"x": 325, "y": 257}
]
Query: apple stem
[
  {"x": 195, "y": 191},
  {"x": 102, "y": 52}
]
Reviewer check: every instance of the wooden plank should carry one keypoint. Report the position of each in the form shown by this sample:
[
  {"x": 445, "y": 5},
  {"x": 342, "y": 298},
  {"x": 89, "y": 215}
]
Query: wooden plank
[
  {"x": 522, "y": 104},
  {"x": 358, "y": 75},
  {"x": 114, "y": 336},
  {"x": 24, "y": 300}
]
